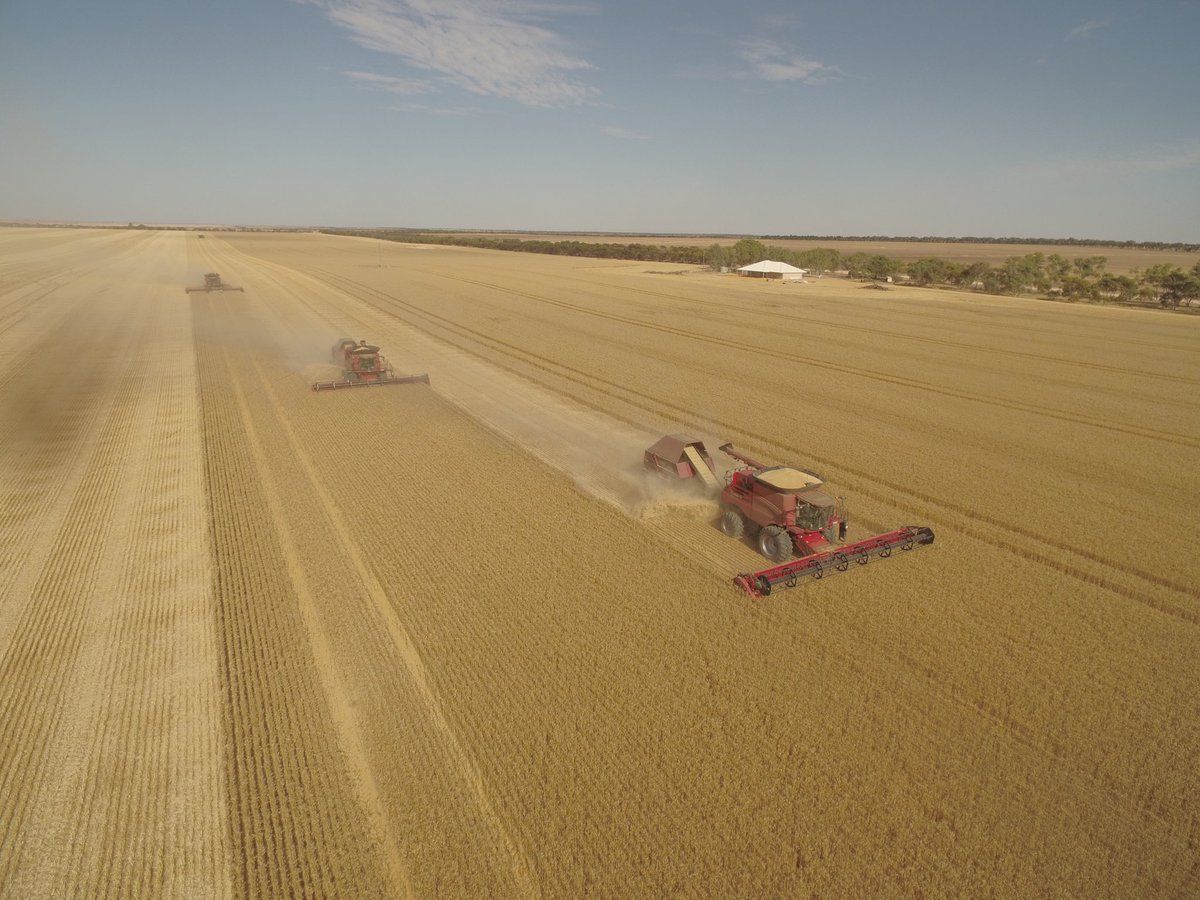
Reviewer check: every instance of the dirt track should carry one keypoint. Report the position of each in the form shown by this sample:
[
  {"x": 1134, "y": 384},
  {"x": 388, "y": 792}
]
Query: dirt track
[{"x": 259, "y": 641}]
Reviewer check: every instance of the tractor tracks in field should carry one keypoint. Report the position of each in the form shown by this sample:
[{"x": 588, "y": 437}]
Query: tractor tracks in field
[
  {"x": 1012, "y": 538},
  {"x": 341, "y": 710},
  {"x": 93, "y": 631},
  {"x": 1022, "y": 542},
  {"x": 1169, "y": 437},
  {"x": 35, "y": 281},
  {"x": 24, "y": 358},
  {"x": 40, "y": 660},
  {"x": 807, "y": 320},
  {"x": 28, "y": 295},
  {"x": 253, "y": 392},
  {"x": 292, "y": 817},
  {"x": 1067, "y": 776},
  {"x": 414, "y": 665}
]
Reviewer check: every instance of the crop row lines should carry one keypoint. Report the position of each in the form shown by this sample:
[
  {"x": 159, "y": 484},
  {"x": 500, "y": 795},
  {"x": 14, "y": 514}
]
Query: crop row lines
[
  {"x": 39, "y": 664},
  {"x": 330, "y": 445},
  {"x": 916, "y": 502},
  {"x": 126, "y": 839},
  {"x": 739, "y": 346},
  {"x": 292, "y": 826},
  {"x": 112, "y": 832},
  {"x": 808, "y": 319}
]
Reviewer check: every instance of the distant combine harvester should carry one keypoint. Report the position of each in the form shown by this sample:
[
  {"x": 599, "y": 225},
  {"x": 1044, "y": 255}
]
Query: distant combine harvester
[{"x": 213, "y": 282}]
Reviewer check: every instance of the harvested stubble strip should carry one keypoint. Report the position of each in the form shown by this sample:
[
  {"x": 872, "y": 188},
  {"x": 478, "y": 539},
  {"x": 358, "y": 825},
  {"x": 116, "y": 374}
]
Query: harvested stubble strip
[{"x": 295, "y": 823}]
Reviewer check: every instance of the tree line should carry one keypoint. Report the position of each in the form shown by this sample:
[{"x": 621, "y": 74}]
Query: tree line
[
  {"x": 1052, "y": 275},
  {"x": 1048, "y": 242}
]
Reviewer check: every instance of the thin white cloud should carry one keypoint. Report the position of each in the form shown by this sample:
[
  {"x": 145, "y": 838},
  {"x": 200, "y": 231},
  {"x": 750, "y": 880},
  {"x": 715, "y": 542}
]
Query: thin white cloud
[
  {"x": 771, "y": 61},
  {"x": 624, "y": 134},
  {"x": 1154, "y": 160},
  {"x": 488, "y": 47},
  {"x": 779, "y": 21},
  {"x": 391, "y": 83},
  {"x": 1088, "y": 27},
  {"x": 427, "y": 109}
]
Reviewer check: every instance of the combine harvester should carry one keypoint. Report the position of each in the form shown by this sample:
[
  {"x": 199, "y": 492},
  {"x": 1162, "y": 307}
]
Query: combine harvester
[
  {"x": 363, "y": 366},
  {"x": 784, "y": 510},
  {"x": 213, "y": 282}
]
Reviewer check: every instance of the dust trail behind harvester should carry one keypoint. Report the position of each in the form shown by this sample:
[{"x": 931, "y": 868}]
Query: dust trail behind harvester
[{"x": 602, "y": 455}]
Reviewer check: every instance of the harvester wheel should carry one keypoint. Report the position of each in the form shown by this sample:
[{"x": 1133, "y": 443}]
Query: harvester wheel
[
  {"x": 775, "y": 543},
  {"x": 732, "y": 524}
]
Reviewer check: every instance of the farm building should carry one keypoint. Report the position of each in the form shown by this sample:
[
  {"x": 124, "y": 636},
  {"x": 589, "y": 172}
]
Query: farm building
[{"x": 769, "y": 268}]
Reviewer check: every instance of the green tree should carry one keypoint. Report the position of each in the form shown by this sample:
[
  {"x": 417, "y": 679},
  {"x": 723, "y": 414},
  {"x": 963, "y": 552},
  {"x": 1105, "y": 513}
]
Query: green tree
[
  {"x": 1023, "y": 273},
  {"x": 1147, "y": 292},
  {"x": 1089, "y": 266},
  {"x": 1117, "y": 287},
  {"x": 998, "y": 281},
  {"x": 929, "y": 270},
  {"x": 819, "y": 259},
  {"x": 882, "y": 267},
  {"x": 1076, "y": 288},
  {"x": 856, "y": 264},
  {"x": 1179, "y": 287},
  {"x": 1057, "y": 268},
  {"x": 1155, "y": 278},
  {"x": 970, "y": 275},
  {"x": 747, "y": 251}
]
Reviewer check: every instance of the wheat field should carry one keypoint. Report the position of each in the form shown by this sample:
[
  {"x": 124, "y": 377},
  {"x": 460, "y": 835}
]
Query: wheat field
[{"x": 448, "y": 641}]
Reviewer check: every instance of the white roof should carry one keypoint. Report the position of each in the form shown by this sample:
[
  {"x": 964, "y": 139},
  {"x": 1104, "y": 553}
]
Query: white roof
[{"x": 770, "y": 265}]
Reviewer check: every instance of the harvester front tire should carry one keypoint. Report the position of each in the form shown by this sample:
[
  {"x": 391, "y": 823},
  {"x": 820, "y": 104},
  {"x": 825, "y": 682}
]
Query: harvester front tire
[
  {"x": 775, "y": 543},
  {"x": 732, "y": 525}
]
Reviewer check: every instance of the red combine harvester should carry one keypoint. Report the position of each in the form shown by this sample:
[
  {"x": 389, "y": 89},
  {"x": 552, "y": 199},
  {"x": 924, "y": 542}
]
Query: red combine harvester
[
  {"x": 363, "y": 366},
  {"x": 213, "y": 282},
  {"x": 782, "y": 507},
  {"x": 785, "y": 511}
]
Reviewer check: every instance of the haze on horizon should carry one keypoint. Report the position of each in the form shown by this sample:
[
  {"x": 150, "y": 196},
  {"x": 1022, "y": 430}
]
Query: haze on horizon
[{"x": 1078, "y": 119}]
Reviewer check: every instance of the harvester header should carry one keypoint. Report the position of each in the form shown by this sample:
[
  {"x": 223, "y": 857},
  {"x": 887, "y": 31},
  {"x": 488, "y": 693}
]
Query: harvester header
[{"x": 832, "y": 562}]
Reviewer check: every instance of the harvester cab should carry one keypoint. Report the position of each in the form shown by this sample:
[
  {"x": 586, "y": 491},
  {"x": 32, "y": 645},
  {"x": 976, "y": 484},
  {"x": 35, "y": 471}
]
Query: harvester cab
[
  {"x": 362, "y": 360},
  {"x": 363, "y": 366}
]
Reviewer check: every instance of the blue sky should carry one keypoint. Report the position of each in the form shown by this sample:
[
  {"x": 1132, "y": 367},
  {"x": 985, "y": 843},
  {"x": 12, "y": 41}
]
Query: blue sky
[{"x": 1030, "y": 119}]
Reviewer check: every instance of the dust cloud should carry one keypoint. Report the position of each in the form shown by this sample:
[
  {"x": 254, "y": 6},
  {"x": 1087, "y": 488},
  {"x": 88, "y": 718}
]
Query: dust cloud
[
  {"x": 300, "y": 342},
  {"x": 601, "y": 454}
]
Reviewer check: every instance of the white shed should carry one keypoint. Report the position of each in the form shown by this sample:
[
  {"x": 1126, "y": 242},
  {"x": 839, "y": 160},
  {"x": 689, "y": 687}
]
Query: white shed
[{"x": 769, "y": 268}]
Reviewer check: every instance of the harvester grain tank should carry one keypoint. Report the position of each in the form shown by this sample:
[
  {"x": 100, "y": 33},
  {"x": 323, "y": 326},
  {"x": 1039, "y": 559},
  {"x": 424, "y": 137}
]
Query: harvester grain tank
[
  {"x": 785, "y": 511},
  {"x": 363, "y": 366},
  {"x": 213, "y": 282}
]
